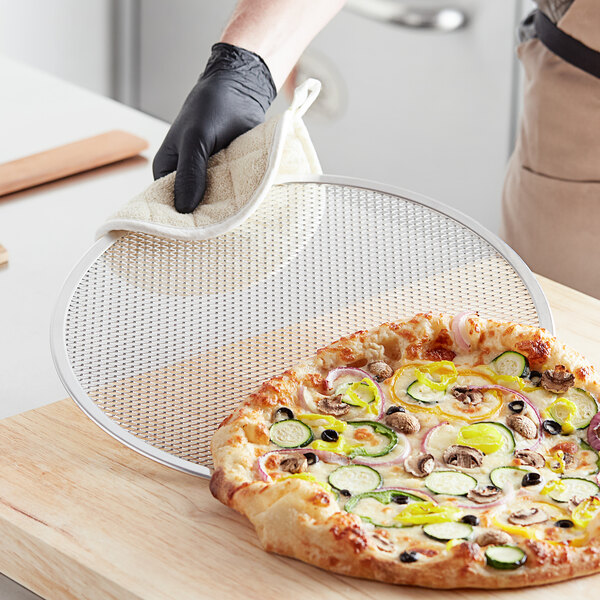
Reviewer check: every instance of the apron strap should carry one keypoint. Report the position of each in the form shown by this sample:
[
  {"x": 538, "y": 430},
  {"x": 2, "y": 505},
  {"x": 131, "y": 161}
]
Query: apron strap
[{"x": 565, "y": 46}]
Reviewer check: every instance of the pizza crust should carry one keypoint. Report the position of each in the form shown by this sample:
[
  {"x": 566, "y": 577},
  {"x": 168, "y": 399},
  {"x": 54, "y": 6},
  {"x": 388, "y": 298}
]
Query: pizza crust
[{"x": 300, "y": 519}]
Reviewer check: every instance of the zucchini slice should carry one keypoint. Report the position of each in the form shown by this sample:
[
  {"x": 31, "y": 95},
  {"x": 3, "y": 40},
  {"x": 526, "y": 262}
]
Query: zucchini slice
[
  {"x": 356, "y": 505},
  {"x": 356, "y": 479},
  {"x": 378, "y": 428},
  {"x": 586, "y": 406},
  {"x": 502, "y": 477},
  {"x": 290, "y": 433},
  {"x": 585, "y": 447},
  {"x": 424, "y": 394},
  {"x": 448, "y": 531},
  {"x": 359, "y": 393},
  {"x": 451, "y": 483},
  {"x": 512, "y": 364},
  {"x": 505, "y": 557},
  {"x": 574, "y": 486}
]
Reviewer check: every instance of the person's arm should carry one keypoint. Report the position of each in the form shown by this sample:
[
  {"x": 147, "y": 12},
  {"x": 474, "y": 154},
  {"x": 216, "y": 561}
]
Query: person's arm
[
  {"x": 278, "y": 30},
  {"x": 259, "y": 47}
]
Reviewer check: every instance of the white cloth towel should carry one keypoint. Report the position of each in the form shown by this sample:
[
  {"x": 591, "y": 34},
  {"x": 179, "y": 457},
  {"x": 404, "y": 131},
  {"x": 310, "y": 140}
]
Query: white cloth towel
[{"x": 239, "y": 178}]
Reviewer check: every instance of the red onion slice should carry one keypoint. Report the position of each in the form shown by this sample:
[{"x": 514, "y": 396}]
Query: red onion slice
[
  {"x": 302, "y": 402},
  {"x": 428, "y": 436},
  {"x": 593, "y": 433},
  {"x": 368, "y": 462},
  {"x": 528, "y": 402},
  {"x": 459, "y": 327},
  {"x": 360, "y": 373},
  {"x": 324, "y": 455}
]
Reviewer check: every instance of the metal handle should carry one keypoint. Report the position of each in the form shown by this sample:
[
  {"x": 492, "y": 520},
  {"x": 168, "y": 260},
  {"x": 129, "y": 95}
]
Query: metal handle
[{"x": 444, "y": 19}]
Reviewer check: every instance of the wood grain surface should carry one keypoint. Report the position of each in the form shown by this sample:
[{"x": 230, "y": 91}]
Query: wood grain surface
[
  {"x": 62, "y": 161},
  {"x": 84, "y": 517}
]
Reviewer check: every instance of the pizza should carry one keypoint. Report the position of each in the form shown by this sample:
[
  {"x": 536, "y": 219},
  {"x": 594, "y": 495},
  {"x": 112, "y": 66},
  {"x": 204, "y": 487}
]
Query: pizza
[{"x": 441, "y": 452}]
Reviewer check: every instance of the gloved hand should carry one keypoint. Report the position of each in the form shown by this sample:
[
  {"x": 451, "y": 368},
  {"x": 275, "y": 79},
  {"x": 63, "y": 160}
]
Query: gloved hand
[{"x": 231, "y": 97}]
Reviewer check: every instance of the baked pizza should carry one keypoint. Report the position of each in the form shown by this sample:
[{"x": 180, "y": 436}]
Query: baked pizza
[{"x": 441, "y": 452}]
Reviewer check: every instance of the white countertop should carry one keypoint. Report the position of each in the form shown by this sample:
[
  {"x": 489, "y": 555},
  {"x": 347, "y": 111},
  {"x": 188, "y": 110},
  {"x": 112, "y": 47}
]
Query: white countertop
[{"x": 47, "y": 229}]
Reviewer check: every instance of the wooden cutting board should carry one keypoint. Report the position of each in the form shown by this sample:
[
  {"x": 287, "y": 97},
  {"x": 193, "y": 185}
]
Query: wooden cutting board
[{"x": 84, "y": 517}]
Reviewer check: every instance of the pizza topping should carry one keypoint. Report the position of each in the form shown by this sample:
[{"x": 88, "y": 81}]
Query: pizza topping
[
  {"x": 394, "y": 409},
  {"x": 530, "y": 479},
  {"x": 294, "y": 464},
  {"x": 487, "y": 437},
  {"x": 471, "y": 396},
  {"x": 311, "y": 458},
  {"x": 484, "y": 495},
  {"x": 420, "y": 465},
  {"x": 403, "y": 422},
  {"x": 511, "y": 364},
  {"x": 408, "y": 557},
  {"x": 585, "y": 511},
  {"x": 333, "y": 406},
  {"x": 562, "y": 490},
  {"x": 531, "y": 458},
  {"x": 528, "y": 516},
  {"x": 471, "y": 520},
  {"x": 357, "y": 479},
  {"x": 522, "y": 425},
  {"x": 382, "y": 542},
  {"x": 421, "y": 513},
  {"x": 493, "y": 537},
  {"x": 564, "y": 523},
  {"x": 451, "y": 483},
  {"x": 380, "y": 370},
  {"x": 329, "y": 435},
  {"x": 283, "y": 413},
  {"x": 444, "y": 532},
  {"x": 558, "y": 380},
  {"x": 593, "y": 434},
  {"x": 465, "y": 457},
  {"x": 380, "y": 507},
  {"x": 516, "y": 406},
  {"x": 363, "y": 394},
  {"x": 551, "y": 427},
  {"x": 505, "y": 557},
  {"x": 290, "y": 433}
]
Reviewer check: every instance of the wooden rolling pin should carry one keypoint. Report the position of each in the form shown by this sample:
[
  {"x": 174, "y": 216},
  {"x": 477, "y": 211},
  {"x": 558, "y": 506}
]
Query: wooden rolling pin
[{"x": 62, "y": 161}]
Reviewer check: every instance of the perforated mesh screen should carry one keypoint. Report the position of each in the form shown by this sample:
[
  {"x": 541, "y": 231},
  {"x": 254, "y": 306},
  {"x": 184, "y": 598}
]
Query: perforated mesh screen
[{"x": 166, "y": 337}]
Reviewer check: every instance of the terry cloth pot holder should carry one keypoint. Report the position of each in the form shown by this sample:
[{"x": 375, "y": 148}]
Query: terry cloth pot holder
[{"x": 239, "y": 178}]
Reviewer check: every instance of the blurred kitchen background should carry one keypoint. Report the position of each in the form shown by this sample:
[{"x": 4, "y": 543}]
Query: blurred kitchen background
[{"x": 422, "y": 94}]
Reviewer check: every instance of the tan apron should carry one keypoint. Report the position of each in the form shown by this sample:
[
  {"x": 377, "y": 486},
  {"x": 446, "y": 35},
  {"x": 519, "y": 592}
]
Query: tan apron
[{"x": 551, "y": 198}]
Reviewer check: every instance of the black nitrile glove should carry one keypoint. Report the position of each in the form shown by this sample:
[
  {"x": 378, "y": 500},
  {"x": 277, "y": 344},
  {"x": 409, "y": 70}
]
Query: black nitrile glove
[{"x": 231, "y": 97}]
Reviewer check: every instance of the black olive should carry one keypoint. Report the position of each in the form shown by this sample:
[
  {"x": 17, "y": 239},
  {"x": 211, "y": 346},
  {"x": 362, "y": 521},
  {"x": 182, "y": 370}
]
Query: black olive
[
  {"x": 329, "y": 435},
  {"x": 516, "y": 406},
  {"x": 345, "y": 493},
  {"x": 535, "y": 377},
  {"x": 311, "y": 458},
  {"x": 394, "y": 409},
  {"x": 470, "y": 520},
  {"x": 283, "y": 414},
  {"x": 408, "y": 557},
  {"x": 565, "y": 523},
  {"x": 551, "y": 427},
  {"x": 531, "y": 478},
  {"x": 400, "y": 499}
]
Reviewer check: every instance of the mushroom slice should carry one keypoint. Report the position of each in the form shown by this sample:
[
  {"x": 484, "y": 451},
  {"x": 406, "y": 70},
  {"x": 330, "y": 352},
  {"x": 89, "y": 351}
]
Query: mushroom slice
[
  {"x": 493, "y": 538},
  {"x": 463, "y": 456},
  {"x": 293, "y": 464},
  {"x": 380, "y": 370},
  {"x": 403, "y": 422},
  {"x": 523, "y": 425},
  {"x": 468, "y": 395},
  {"x": 558, "y": 380},
  {"x": 483, "y": 495},
  {"x": 333, "y": 406},
  {"x": 420, "y": 465},
  {"x": 528, "y": 516},
  {"x": 531, "y": 458}
]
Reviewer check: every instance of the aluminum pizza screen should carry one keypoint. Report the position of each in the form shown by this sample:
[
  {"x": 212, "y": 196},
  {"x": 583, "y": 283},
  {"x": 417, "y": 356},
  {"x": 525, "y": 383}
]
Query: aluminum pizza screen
[{"x": 167, "y": 337}]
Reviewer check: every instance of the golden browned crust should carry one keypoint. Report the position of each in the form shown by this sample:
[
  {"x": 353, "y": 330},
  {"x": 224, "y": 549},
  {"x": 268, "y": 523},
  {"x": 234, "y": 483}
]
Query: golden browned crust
[{"x": 298, "y": 518}]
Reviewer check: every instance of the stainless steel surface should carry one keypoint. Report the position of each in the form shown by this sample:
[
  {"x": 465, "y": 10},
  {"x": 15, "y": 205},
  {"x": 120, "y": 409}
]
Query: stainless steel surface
[
  {"x": 158, "y": 340},
  {"x": 411, "y": 14}
]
